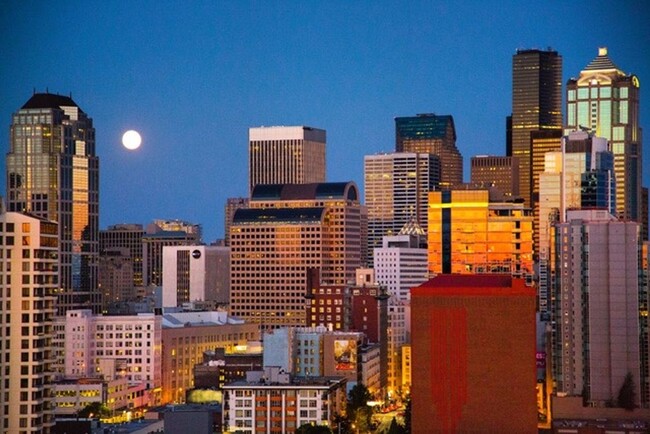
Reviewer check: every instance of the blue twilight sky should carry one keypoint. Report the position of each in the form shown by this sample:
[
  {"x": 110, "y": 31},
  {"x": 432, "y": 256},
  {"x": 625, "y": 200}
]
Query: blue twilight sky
[{"x": 193, "y": 76}]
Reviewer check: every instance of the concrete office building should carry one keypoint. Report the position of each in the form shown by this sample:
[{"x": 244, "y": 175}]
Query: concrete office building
[
  {"x": 432, "y": 134},
  {"x": 232, "y": 205},
  {"x": 53, "y": 173},
  {"x": 153, "y": 241},
  {"x": 185, "y": 336},
  {"x": 318, "y": 351},
  {"x": 471, "y": 233},
  {"x": 599, "y": 308},
  {"x": 287, "y": 231},
  {"x": 605, "y": 100},
  {"x": 397, "y": 186},
  {"x": 474, "y": 340},
  {"x": 28, "y": 283},
  {"x": 536, "y": 106},
  {"x": 129, "y": 236},
  {"x": 113, "y": 346},
  {"x": 502, "y": 173},
  {"x": 581, "y": 175},
  {"x": 285, "y": 155},
  {"x": 195, "y": 273},
  {"x": 116, "y": 277}
]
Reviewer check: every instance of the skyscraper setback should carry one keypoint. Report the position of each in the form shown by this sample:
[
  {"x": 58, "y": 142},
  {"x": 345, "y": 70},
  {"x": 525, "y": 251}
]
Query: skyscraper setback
[
  {"x": 285, "y": 155},
  {"x": 536, "y": 105},
  {"x": 53, "y": 173}
]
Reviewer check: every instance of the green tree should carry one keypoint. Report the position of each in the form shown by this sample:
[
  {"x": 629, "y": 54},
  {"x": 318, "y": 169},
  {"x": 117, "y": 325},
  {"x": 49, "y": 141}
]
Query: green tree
[
  {"x": 313, "y": 429},
  {"x": 627, "y": 394},
  {"x": 359, "y": 413},
  {"x": 96, "y": 409},
  {"x": 395, "y": 428},
  {"x": 407, "y": 416}
]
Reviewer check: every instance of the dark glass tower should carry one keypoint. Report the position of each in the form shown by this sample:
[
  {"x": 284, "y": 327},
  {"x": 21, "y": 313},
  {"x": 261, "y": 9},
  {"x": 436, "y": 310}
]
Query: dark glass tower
[
  {"x": 53, "y": 173},
  {"x": 536, "y": 105},
  {"x": 432, "y": 134}
]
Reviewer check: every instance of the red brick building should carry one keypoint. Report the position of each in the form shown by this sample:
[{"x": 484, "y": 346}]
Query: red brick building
[{"x": 473, "y": 346}]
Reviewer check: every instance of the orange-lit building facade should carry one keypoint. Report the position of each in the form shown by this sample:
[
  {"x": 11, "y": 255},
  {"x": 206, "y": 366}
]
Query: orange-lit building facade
[
  {"x": 287, "y": 231},
  {"x": 469, "y": 233},
  {"x": 474, "y": 348}
]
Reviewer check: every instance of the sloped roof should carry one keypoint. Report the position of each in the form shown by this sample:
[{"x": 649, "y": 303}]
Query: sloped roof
[
  {"x": 49, "y": 100},
  {"x": 601, "y": 62}
]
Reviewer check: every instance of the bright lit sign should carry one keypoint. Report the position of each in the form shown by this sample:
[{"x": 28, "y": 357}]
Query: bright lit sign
[{"x": 345, "y": 354}]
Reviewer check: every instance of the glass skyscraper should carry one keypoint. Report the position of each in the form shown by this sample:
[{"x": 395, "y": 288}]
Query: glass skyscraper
[
  {"x": 605, "y": 100},
  {"x": 536, "y": 106},
  {"x": 53, "y": 173},
  {"x": 432, "y": 134}
]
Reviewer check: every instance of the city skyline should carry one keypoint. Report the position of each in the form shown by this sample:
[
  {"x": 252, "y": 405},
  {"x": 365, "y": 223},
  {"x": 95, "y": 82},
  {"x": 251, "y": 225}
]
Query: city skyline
[{"x": 200, "y": 77}]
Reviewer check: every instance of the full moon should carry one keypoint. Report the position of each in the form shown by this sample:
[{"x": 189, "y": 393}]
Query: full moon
[{"x": 131, "y": 140}]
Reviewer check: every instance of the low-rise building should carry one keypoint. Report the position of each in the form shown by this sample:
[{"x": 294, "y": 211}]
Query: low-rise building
[
  {"x": 73, "y": 395},
  {"x": 274, "y": 401},
  {"x": 186, "y": 336}
]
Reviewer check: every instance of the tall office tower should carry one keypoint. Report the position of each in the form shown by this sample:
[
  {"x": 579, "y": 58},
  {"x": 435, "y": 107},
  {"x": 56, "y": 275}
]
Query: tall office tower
[
  {"x": 53, "y": 173},
  {"x": 195, "y": 273},
  {"x": 153, "y": 242},
  {"x": 580, "y": 176},
  {"x": 472, "y": 233},
  {"x": 432, "y": 134},
  {"x": 536, "y": 105},
  {"x": 28, "y": 285},
  {"x": 644, "y": 213},
  {"x": 232, "y": 205},
  {"x": 285, "y": 155},
  {"x": 287, "y": 231},
  {"x": 605, "y": 100},
  {"x": 127, "y": 236},
  {"x": 116, "y": 277},
  {"x": 473, "y": 340},
  {"x": 397, "y": 186},
  {"x": 400, "y": 264},
  {"x": 599, "y": 308},
  {"x": 502, "y": 173},
  {"x": 542, "y": 141}
]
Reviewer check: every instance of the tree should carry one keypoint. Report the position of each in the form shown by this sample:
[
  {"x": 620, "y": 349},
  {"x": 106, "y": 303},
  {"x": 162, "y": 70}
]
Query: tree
[
  {"x": 407, "y": 416},
  {"x": 627, "y": 394},
  {"x": 313, "y": 429},
  {"x": 359, "y": 413},
  {"x": 94, "y": 409},
  {"x": 358, "y": 397},
  {"x": 395, "y": 428}
]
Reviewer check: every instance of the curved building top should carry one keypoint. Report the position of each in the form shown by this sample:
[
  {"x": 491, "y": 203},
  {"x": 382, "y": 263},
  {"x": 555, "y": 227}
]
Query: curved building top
[{"x": 315, "y": 191}]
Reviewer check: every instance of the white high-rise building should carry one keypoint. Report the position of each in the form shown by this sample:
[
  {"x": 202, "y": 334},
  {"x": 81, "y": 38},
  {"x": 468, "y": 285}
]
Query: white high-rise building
[
  {"x": 400, "y": 264},
  {"x": 397, "y": 189},
  {"x": 28, "y": 283},
  {"x": 113, "y": 346},
  {"x": 285, "y": 155},
  {"x": 598, "y": 308},
  {"x": 195, "y": 273}
]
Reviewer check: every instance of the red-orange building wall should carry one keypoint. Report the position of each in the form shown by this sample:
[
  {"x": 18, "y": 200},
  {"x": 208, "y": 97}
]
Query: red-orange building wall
[{"x": 473, "y": 346}]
